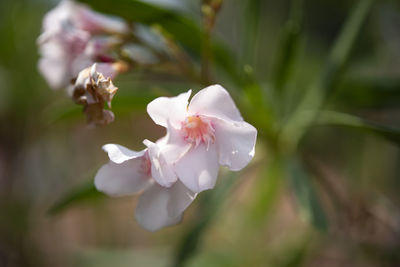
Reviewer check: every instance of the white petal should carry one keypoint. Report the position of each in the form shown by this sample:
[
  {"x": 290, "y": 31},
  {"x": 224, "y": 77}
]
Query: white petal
[
  {"x": 161, "y": 170},
  {"x": 198, "y": 169},
  {"x": 214, "y": 101},
  {"x": 122, "y": 179},
  {"x": 55, "y": 72},
  {"x": 173, "y": 109},
  {"x": 159, "y": 207},
  {"x": 235, "y": 142},
  {"x": 119, "y": 154},
  {"x": 173, "y": 145},
  {"x": 180, "y": 198}
]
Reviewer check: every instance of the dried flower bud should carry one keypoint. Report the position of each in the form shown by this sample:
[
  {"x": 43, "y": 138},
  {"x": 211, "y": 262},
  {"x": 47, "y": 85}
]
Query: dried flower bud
[
  {"x": 92, "y": 90},
  {"x": 98, "y": 116}
]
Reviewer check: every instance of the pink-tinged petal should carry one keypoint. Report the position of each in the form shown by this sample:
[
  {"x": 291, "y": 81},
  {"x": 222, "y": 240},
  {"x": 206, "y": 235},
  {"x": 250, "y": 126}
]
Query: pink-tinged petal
[
  {"x": 63, "y": 12},
  {"x": 172, "y": 109},
  {"x": 235, "y": 142},
  {"x": 107, "y": 69},
  {"x": 122, "y": 179},
  {"x": 119, "y": 154},
  {"x": 214, "y": 101},
  {"x": 101, "y": 45},
  {"x": 161, "y": 170},
  {"x": 95, "y": 22},
  {"x": 159, "y": 207},
  {"x": 198, "y": 169}
]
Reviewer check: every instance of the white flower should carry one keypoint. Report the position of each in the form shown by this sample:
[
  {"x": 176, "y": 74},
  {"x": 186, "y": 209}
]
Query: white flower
[
  {"x": 201, "y": 136},
  {"x": 68, "y": 43},
  {"x": 130, "y": 172}
]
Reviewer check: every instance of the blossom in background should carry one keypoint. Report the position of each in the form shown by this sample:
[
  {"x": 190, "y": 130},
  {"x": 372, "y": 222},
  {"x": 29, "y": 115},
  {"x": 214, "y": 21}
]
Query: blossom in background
[
  {"x": 202, "y": 135},
  {"x": 92, "y": 89},
  {"x": 130, "y": 172},
  {"x": 74, "y": 37}
]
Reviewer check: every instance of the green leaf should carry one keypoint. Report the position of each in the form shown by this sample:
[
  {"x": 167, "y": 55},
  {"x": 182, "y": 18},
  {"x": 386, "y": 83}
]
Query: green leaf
[
  {"x": 81, "y": 194},
  {"x": 366, "y": 91},
  {"x": 288, "y": 45},
  {"x": 251, "y": 31},
  {"x": 266, "y": 191},
  {"x": 327, "y": 117},
  {"x": 298, "y": 124},
  {"x": 307, "y": 199}
]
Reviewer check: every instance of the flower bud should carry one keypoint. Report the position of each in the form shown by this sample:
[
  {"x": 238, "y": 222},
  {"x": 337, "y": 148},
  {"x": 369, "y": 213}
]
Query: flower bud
[{"x": 92, "y": 89}]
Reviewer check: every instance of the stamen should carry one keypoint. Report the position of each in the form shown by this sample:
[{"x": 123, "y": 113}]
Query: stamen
[{"x": 198, "y": 130}]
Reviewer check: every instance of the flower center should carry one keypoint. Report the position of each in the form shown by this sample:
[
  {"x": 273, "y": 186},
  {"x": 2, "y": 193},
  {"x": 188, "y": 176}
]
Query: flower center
[{"x": 198, "y": 130}]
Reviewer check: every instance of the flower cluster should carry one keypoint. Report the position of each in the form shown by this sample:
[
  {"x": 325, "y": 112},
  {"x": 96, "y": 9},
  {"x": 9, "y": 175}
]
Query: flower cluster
[
  {"x": 201, "y": 136},
  {"x": 83, "y": 50},
  {"x": 73, "y": 38}
]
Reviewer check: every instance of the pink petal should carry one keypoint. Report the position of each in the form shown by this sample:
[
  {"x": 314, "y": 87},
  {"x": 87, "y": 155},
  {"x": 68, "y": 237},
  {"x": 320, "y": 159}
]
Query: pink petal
[
  {"x": 107, "y": 69},
  {"x": 173, "y": 109},
  {"x": 198, "y": 169},
  {"x": 95, "y": 22},
  {"x": 235, "y": 142},
  {"x": 122, "y": 179},
  {"x": 64, "y": 11},
  {"x": 159, "y": 207},
  {"x": 214, "y": 101},
  {"x": 119, "y": 154}
]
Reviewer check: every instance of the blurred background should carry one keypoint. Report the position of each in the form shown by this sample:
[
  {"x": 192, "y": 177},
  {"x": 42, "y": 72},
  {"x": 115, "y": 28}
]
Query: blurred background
[{"x": 323, "y": 191}]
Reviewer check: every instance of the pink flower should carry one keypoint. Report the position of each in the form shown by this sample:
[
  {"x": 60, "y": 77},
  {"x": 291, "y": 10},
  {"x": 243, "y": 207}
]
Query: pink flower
[
  {"x": 201, "y": 136},
  {"x": 82, "y": 17},
  {"x": 68, "y": 44},
  {"x": 130, "y": 172}
]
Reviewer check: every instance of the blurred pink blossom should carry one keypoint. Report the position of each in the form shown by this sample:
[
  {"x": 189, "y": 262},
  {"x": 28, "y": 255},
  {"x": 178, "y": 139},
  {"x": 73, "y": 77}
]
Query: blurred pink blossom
[{"x": 71, "y": 40}]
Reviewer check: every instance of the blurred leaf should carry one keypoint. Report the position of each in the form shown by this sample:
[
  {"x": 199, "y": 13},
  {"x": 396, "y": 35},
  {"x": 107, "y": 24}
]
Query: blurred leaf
[
  {"x": 288, "y": 45},
  {"x": 61, "y": 110},
  {"x": 179, "y": 25},
  {"x": 267, "y": 190},
  {"x": 366, "y": 91},
  {"x": 294, "y": 255},
  {"x": 251, "y": 31},
  {"x": 348, "y": 120},
  {"x": 307, "y": 199},
  {"x": 211, "y": 203},
  {"x": 298, "y": 123},
  {"x": 78, "y": 195}
]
